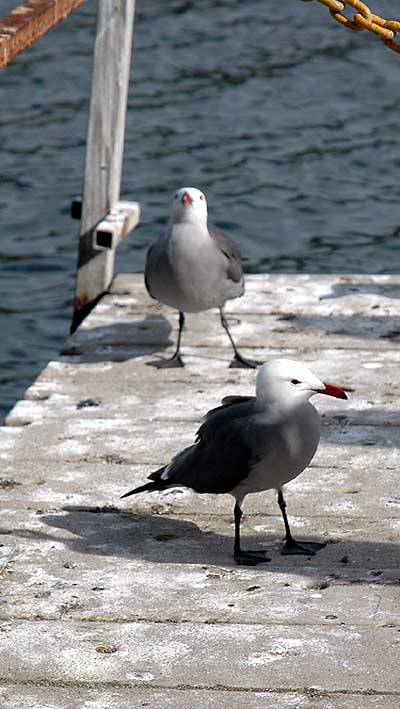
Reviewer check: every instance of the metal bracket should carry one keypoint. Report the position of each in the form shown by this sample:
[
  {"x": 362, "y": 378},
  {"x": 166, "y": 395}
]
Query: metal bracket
[
  {"x": 123, "y": 217},
  {"x": 76, "y": 208}
]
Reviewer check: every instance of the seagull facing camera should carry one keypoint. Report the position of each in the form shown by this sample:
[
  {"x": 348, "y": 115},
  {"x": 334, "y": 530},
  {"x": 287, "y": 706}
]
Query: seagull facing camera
[
  {"x": 254, "y": 443},
  {"x": 194, "y": 267},
  {"x": 189, "y": 205}
]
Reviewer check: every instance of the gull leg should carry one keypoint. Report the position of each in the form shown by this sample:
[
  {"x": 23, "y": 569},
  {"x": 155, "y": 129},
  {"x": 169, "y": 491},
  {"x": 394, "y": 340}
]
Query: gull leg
[
  {"x": 175, "y": 360},
  {"x": 245, "y": 558},
  {"x": 238, "y": 359},
  {"x": 291, "y": 546}
]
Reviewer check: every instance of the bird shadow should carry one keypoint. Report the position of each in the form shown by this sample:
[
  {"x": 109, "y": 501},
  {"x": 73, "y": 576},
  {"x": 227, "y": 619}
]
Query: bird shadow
[
  {"x": 162, "y": 539},
  {"x": 121, "y": 341}
]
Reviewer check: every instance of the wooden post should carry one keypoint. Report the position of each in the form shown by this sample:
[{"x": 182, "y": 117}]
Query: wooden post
[{"x": 104, "y": 153}]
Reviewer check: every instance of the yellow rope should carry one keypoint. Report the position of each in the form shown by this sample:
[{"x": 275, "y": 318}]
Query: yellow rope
[{"x": 364, "y": 19}]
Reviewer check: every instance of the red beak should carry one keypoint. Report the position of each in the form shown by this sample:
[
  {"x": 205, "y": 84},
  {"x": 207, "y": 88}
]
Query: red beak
[
  {"x": 332, "y": 390},
  {"x": 186, "y": 198}
]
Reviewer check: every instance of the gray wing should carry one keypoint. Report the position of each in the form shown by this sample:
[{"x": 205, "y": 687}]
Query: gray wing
[
  {"x": 222, "y": 456},
  {"x": 146, "y": 271},
  {"x": 157, "y": 250},
  {"x": 230, "y": 250},
  {"x": 229, "y": 401}
]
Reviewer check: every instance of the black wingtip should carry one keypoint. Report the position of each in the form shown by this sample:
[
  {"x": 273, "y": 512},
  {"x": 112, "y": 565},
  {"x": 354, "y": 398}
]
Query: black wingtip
[{"x": 147, "y": 487}]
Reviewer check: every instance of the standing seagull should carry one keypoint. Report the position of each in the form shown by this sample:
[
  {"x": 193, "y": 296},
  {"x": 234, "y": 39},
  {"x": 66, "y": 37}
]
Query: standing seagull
[
  {"x": 251, "y": 444},
  {"x": 194, "y": 266}
]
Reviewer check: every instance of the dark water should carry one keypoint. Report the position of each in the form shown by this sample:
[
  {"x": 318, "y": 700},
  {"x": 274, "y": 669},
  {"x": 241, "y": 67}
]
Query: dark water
[{"x": 287, "y": 121}]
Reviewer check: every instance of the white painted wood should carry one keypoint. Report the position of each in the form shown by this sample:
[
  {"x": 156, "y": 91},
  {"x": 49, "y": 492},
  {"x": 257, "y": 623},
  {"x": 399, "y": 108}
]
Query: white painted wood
[{"x": 111, "y": 70}]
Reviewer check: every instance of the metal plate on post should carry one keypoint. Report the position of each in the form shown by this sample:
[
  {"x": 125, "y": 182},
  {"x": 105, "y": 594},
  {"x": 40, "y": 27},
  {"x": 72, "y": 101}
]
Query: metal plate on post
[{"x": 116, "y": 226}]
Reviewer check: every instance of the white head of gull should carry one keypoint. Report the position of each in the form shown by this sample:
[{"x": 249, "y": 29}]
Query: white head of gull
[
  {"x": 250, "y": 444},
  {"x": 189, "y": 205},
  {"x": 289, "y": 383}
]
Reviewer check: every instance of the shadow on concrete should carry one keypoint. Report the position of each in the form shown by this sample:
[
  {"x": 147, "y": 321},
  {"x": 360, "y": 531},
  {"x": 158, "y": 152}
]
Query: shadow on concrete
[
  {"x": 121, "y": 341},
  {"x": 108, "y": 531},
  {"x": 362, "y": 426},
  {"x": 368, "y": 327},
  {"x": 372, "y": 323},
  {"x": 345, "y": 288}
]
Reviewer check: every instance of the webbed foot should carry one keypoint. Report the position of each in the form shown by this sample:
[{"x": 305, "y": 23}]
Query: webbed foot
[
  {"x": 172, "y": 363},
  {"x": 240, "y": 362},
  {"x": 307, "y": 548},
  {"x": 251, "y": 558}
]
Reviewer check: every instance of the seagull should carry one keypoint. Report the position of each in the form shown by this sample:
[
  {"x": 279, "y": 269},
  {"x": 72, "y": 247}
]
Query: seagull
[
  {"x": 254, "y": 443},
  {"x": 193, "y": 267}
]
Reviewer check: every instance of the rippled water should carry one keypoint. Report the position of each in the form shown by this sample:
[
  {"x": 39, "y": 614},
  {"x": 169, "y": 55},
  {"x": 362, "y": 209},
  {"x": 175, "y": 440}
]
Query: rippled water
[{"x": 288, "y": 122}]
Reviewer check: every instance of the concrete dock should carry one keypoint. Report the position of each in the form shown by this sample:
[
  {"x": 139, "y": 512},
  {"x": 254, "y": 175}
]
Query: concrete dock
[{"x": 137, "y": 603}]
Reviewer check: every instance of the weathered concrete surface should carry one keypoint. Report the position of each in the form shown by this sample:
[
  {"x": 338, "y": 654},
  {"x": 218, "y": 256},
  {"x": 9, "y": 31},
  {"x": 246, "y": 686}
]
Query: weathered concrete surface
[
  {"x": 110, "y": 603},
  {"x": 109, "y": 697},
  {"x": 202, "y": 655}
]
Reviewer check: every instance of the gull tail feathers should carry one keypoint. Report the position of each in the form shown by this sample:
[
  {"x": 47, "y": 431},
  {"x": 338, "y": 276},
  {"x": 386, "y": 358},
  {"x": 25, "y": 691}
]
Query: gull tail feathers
[{"x": 156, "y": 484}]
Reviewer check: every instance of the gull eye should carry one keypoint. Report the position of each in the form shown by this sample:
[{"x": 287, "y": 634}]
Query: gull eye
[
  {"x": 201, "y": 196},
  {"x": 295, "y": 381}
]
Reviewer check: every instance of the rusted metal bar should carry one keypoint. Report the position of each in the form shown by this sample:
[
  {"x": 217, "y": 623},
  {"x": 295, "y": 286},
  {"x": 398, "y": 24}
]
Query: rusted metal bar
[{"x": 29, "y": 22}]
